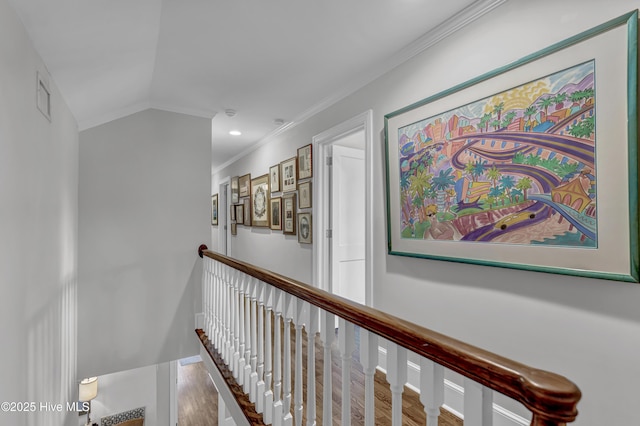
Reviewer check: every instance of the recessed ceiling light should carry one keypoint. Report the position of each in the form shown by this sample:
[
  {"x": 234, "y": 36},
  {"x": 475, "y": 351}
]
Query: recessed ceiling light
[{"x": 235, "y": 133}]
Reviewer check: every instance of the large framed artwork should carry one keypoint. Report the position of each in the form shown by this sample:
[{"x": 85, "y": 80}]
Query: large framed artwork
[
  {"x": 260, "y": 201},
  {"x": 532, "y": 166}
]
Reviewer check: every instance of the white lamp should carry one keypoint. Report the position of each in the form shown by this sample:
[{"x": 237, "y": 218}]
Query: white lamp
[{"x": 88, "y": 390}]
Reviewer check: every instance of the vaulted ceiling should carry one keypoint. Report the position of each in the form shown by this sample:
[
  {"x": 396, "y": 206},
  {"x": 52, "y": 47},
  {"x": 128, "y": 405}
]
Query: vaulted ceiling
[{"x": 265, "y": 59}]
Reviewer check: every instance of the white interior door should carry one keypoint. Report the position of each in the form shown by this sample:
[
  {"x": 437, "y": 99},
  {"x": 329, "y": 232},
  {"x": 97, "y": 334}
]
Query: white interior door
[{"x": 348, "y": 223}]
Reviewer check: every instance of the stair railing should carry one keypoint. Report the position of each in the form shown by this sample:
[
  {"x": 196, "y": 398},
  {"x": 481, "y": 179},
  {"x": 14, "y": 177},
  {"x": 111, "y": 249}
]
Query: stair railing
[{"x": 240, "y": 301}]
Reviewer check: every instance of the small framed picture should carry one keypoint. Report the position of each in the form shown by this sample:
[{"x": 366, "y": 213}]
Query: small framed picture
[
  {"x": 214, "y": 209},
  {"x": 289, "y": 175},
  {"x": 305, "y": 163},
  {"x": 239, "y": 214},
  {"x": 244, "y": 185},
  {"x": 289, "y": 214},
  {"x": 235, "y": 191},
  {"x": 276, "y": 213},
  {"x": 232, "y": 213},
  {"x": 246, "y": 211},
  {"x": 234, "y": 229},
  {"x": 304, "y": 228},
  {"x": 304, "y": 194},
  {"x": 274, "y": 178},
  {"x": 260, "y": 201}
]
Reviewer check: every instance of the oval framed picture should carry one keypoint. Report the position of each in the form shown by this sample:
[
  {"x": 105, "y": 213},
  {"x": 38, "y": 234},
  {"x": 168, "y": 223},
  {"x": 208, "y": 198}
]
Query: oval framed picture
[{"x": 305, "y": 230}]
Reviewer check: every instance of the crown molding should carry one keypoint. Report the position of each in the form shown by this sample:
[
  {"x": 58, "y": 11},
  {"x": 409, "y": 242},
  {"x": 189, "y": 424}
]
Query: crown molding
[{"x": 429, "y": 39}]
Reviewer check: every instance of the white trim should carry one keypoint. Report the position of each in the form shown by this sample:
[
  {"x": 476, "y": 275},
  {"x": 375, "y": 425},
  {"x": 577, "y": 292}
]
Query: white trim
[
  {"x": 453, "y": 395},
  {"x": 224, "y": 234},
  {"x": 442, "y": 31},
  {"x": 321, "y": 145},
  {"x": 223, "y": 390},
  {"x": 173, "y": 393}
]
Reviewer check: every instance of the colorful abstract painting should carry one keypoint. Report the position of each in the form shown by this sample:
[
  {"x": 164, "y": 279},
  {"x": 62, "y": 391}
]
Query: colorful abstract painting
[{"x": 517, "y": 167}]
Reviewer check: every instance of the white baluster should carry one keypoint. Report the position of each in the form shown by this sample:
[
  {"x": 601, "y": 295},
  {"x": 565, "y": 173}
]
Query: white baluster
[
  {"x": 277, "y": 360},
  {"x": 431, "y": 389},
  {"x": 369, "y": 361},
  {"x": 346, "y": 342},
  {"x": 216, "y": 306},
  {"x": 239, "y": 372},
  {"x": 397, "y": 377},
  {"x": 228, "y": 316},
  {"x": 205, "y": 296},
  {"x": 268, "y": 358},
  {"x": 478, "y": 404},
  {"x": 247, "y": 335},
  {"x": 327, "y": 335},
  {"x": 260, "y": 386},
  {"x": 297, "y": 401},
  {"x": 235, "y": 335},
  {"x": 312, "y": 329},
  {"x": 289, "y": 307},
  {"x": 253, "y": 378}
]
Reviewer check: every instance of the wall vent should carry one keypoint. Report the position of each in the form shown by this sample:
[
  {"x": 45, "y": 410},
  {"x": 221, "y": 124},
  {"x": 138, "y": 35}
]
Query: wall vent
[{"x": 43, "y": 96}]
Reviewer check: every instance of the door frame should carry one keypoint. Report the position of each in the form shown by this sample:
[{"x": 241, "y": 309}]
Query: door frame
[
  {"x": 322, "y": 144},
  {"x": 224, "y": 229}
]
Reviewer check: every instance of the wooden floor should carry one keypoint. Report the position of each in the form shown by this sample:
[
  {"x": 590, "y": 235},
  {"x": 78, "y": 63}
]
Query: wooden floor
[
  {"x": 413, "y": 412},
  {"x": 197, "y": 397}
]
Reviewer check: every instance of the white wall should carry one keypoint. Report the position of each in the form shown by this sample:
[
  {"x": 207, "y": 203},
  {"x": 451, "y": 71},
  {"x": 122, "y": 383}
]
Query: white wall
[
  {"x": 124, "y": 391},
  {"x": 38, "y": 235},
  {"x": 144, "y": 210},
  {"x": 585, "y": 329}
]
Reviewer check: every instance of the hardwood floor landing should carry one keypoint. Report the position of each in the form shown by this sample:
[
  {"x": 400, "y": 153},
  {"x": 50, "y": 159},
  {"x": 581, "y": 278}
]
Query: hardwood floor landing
[{"x": 197, "y": 397}]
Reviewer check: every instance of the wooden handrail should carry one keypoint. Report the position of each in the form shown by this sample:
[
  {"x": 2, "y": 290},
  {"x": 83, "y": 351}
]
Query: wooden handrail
[{"x": 551, "y": 398}]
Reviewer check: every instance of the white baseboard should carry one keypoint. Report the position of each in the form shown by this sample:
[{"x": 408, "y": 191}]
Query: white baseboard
[{"x": 453, "y": 395}]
